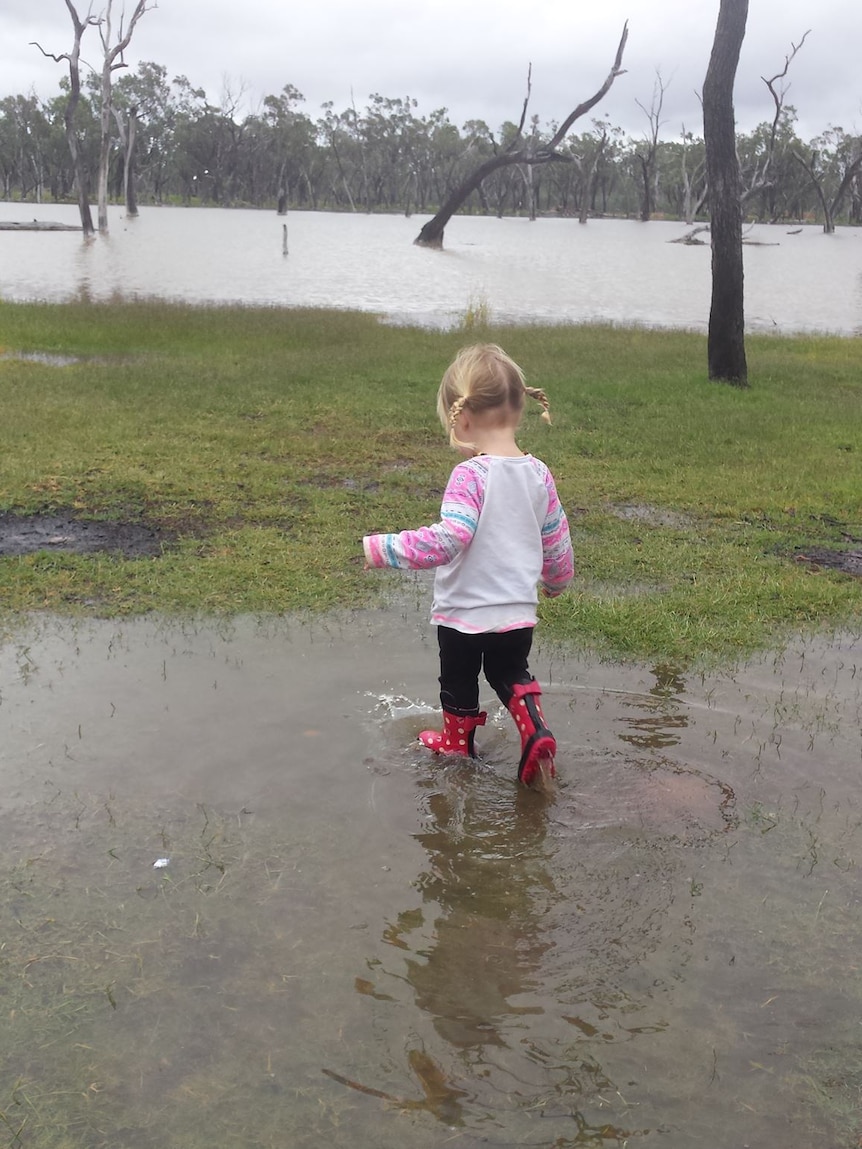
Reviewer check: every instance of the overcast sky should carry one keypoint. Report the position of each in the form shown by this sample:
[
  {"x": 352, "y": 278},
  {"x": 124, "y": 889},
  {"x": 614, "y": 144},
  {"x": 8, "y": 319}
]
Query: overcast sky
[{"x": 471, "y": 56}]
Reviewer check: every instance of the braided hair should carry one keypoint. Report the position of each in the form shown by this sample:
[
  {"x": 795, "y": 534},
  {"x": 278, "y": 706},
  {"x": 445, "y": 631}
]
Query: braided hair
[{"x": 483, "y": 378}]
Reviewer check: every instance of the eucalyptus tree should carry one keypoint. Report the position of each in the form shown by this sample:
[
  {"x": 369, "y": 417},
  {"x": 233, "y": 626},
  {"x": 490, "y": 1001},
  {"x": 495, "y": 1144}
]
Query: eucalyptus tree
[
  {"x": 73, "y": 59},
  {"x": 474, "y": 147},
  {"x": 112, "y": 60},
  {"x": 195, "y": 150},
  {"x": 684, "y": 175},
  {"x": 772, "y": 185},
  {"x": 589, "y": 166},
  {"x": 291, "y": 142},
  {"x": 60, "y": 167},
  {"x": 609, "y": 172},
  {"x": 503, "y": 189},
  {"x": 338, "y": 132},
  {"x": 148, "y": 92},
  {"x": 387, "y": 131},
  {"x": 646, "y": 153},
  {"x": 9, "y": 148},
  {"x": 726, "y": 339},
  {"x": 833, "y": 163},
  {"x": 435, "y": 149},
  {"x": 25, "y": 147},
  {"x": 592, "y": 158}
]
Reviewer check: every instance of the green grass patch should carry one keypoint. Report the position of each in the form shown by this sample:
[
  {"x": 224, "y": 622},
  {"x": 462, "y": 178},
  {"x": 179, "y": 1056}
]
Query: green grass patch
[{"x": 265, "y": 442}]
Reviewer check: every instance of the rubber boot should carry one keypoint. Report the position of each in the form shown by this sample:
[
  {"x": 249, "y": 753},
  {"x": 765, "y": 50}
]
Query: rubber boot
[
  {"x": 538, "y": 745},
  {"x": 457, "y": 734}
]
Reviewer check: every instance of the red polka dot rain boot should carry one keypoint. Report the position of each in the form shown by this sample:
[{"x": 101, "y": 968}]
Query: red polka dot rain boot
[
  {"x": 538, "y": 745},
  {"x": 456, "y": 737}
]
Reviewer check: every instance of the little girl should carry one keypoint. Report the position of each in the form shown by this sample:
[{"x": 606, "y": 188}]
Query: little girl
[{"x": 502, "y": 533}]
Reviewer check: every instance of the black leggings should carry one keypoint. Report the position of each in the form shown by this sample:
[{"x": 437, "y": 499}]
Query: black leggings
[{"x": 462, "y": 656}]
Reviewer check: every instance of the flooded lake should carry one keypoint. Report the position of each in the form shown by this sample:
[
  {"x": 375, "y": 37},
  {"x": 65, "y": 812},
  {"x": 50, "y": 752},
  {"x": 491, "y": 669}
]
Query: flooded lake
[
  {"x": 551, "y": 270},
  {"x": 242, "y": 906}
]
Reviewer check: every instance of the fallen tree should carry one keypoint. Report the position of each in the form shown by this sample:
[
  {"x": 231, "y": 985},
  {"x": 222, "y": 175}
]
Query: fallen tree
[{"x": 519, "y": 150}]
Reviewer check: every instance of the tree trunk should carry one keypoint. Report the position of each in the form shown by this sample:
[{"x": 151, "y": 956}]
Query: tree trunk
[
  {"x": 104, "y": 148},
  {"x": 726, "y": 343},
  {"x": 82, "y": 176},
  {"x": 646, "y": 197},
  {"x": 843, "y": 188},
  {"x": 531, "y": 191},
  {"x": 589, "y": 194},
  {"x": 79, "y": 167},
  {"x": 828, "y": 223},
  {"x": 129, "y": 167},
  {"x": 128, "y": 136},
  {"x": 111, "y": 60}
]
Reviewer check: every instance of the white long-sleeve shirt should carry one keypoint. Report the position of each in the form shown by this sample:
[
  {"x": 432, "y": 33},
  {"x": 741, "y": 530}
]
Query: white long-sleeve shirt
[{"x": 502, "y": 532}]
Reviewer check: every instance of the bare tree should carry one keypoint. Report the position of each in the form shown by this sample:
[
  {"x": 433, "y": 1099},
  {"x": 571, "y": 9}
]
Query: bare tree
[
  {"x": 691, "y": 205},
  {"x": 761, "y": 177},
  {"x": 518, "y": 151},
  {"x": 79, "y": 165},
  {"x": 112, "y": 60},
  {"x": 726, "y": 342},
  {"x": 646, "y": 158},
  {"x": 128, "y": 134},
  {"x": 589, "y": 170}
]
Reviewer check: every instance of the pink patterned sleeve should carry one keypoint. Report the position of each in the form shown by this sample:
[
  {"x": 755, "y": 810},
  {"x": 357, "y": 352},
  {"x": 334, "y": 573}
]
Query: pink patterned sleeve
[
  {"x": 440, "y": 543},
  {"x": 558, "y": 560}
]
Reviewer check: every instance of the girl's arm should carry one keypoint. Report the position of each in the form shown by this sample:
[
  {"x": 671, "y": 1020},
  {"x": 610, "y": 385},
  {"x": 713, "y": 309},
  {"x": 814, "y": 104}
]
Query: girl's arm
[
  {"x": 440, "y": 543},
  {"x": 558, "y": 560}
]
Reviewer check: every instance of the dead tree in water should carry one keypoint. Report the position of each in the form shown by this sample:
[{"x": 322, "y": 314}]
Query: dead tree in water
[
  {"x": 128, "y": 134},
  {"x": 833, "y": 206},
  {"x": 111, "y": 61},
  {"x": 518, "y": 151},
  {"x": 647, "y": 159},
  {"x": 79, "y": 165},
  {"x": 760, "y": 179}
]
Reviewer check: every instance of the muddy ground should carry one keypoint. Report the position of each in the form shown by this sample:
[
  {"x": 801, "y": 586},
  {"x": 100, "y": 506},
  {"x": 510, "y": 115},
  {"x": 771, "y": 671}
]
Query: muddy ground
[{"x": 64, "y": 531}]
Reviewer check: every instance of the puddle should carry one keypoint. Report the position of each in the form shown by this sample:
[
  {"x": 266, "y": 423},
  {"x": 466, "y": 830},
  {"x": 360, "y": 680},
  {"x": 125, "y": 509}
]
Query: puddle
[
  {"x": 241, "y": 906},
  {"x": 652, "y": 516},
  {"x": 45, "y": 358}
]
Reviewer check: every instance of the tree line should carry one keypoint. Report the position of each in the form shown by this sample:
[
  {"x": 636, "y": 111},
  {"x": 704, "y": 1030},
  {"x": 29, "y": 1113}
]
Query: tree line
[{"x": 387, "y": 156}]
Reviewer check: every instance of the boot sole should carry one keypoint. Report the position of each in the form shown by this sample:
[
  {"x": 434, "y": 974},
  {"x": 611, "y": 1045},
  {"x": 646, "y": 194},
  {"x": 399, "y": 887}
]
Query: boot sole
[{"x": 539, "y": 751}]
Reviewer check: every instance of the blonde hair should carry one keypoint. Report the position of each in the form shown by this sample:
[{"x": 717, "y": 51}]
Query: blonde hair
[{"x": 482, "y": 378}]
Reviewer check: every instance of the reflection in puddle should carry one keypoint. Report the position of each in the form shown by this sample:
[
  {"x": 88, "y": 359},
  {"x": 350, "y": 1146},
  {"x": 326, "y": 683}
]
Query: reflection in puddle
[
  {"x": 664, "y": 715},
  {"x": 356, "y": 944}
]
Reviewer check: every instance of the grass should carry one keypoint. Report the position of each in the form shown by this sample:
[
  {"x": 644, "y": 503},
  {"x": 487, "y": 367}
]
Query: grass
[{"x": 266, "y": 442}]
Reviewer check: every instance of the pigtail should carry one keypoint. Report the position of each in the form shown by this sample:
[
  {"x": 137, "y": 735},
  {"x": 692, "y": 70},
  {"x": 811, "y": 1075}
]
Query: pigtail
[
  {"x": 455, "y": 410},
  {"x": 539, "y": 395}
]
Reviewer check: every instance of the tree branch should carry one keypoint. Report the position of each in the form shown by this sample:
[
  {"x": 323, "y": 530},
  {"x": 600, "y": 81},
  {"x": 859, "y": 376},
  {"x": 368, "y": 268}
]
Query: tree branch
[
  {"x": 778, "y": 98},
  {"x": 57, "y": 59},
  {"x": 526, "y": 104},
  {"x": 582, "y": 109}
]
